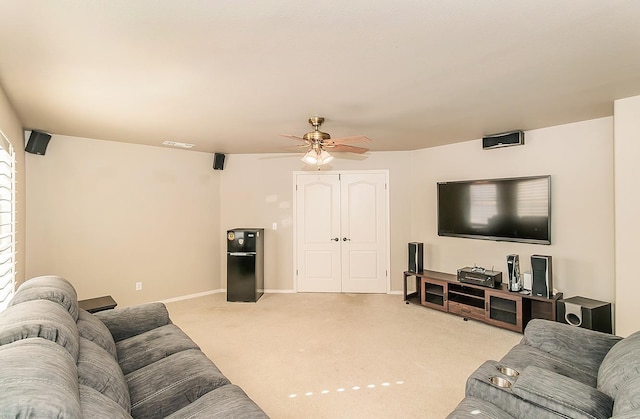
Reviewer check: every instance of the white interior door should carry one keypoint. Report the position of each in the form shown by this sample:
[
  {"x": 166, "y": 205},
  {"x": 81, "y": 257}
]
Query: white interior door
[
  {"x": 318, "y": 233},
  {"x": 350, "y": 207},
  {"x": 364, "y": 232}
]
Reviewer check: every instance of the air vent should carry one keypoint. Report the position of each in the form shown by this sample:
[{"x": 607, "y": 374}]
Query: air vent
[{"x": 177, "y": 144}]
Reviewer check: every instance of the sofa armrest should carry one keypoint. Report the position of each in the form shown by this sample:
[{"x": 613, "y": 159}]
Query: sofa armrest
[
  {"x": 126, "y": 322},
  {"x": 580, "y": 346},
  {"x": 562, "y": 395}
]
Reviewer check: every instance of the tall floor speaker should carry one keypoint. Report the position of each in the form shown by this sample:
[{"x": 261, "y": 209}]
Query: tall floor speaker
[
  {"x": 513, "y": 271},
  {"x": 586, "y": 313},
  {"x": 542, "y": 280},
  {"x": 416, "y": 254}
]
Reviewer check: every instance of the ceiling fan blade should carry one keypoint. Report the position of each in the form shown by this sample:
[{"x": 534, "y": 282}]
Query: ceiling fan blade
[
  {"x": 354, "y": 139},
  {"x": 349, "y": 148},
  {"x": 293, "y": 137}
]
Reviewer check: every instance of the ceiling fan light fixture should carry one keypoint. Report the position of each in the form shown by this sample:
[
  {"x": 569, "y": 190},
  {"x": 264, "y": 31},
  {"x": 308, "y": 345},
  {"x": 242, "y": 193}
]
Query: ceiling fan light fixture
[
  {"x": 324, "y": 157},
  {"x": 311, "y": 157}
]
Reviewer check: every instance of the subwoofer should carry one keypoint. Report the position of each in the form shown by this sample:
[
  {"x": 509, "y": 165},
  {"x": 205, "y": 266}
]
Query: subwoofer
[
  {"x": 542, "y": 281},
  {"x": 416, "y": 253},
  {"x": 218, "y": 161},
  {"x": 586, "y": 313},
  {"x": 37, "y": 143}
]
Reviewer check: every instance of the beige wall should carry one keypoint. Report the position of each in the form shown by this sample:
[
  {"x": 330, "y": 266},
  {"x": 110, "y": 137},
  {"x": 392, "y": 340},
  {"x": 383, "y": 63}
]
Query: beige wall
[
  {"x": 12, "y": 129},
  {"x": 627, "y": 207},
  {"x": 256, "y": 190},
  {"x": 579, "y": 158},
  {"x": 106, "y": 215}
]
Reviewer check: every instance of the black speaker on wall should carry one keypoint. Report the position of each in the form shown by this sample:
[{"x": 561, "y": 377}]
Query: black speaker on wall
[
  {"x": 37, "y": 143},
  {"x": 416, "y": 254},
  {"x": 505, "y": 139},
  {"x": 218, "y": 161},
  {"x": 542, "y": 280},
  {"x": 586, "y": 313}
]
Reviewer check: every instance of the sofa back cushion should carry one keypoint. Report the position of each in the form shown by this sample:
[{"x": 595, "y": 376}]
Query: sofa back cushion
[
  {"x": 40, "y": 318},
  {"x": 99, "y": 370},
  {"x": 620, "y": 365},
  {"x": 93, "y": 329},
  {"x": 96, "y": 405},
  {"x": 628, "y": 398},
  {"x": 38, "y": 379},
  {"x": 53, "y": 288}
]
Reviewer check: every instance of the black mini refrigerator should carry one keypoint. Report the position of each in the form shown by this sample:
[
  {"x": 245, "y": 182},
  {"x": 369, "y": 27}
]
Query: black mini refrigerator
[{"x": 245, "y": 264}]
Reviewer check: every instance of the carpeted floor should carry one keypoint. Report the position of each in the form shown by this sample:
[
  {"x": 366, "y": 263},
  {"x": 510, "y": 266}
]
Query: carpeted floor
[{"x": 342, "y": 355}]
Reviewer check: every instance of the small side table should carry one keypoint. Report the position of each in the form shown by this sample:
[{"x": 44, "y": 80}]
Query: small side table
[{"x": 93, "y": 305}]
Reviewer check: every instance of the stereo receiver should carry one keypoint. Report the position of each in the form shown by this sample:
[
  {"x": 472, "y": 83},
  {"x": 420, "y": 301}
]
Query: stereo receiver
[{"x": 480, "y": 276}]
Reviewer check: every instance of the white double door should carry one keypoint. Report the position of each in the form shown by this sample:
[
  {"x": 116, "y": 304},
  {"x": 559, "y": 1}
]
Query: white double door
[{"x": 341, "y": 232}]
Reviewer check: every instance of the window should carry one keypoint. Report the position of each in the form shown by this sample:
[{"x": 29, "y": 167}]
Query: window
[{"x": 7, "y": 222}]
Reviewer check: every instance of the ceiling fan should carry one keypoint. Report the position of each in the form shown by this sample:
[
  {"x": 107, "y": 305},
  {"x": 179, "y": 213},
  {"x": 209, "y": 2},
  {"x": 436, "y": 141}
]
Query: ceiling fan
[{"x": 317, "y": 142}]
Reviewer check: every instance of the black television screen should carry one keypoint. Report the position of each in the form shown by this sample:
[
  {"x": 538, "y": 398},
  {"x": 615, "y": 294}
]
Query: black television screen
[{"x": 516, "y": 209}]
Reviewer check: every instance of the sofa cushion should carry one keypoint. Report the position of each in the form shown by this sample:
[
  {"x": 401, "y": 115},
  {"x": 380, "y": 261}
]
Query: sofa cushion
[
  {"x": 126, "y": 322},
  {"x": 39, "y": 318},
  {"x": 562, "y": 395},
  {"x": 522, "y": 356},
  {"x": 583, "y": 348},
  {"x": 474, "y": 408},
  {"x": 149, "y": 347},
  {"x": 99, "y": 370},
  {"x": 628, "y": 397},
  {"x": 620, "y": 365},
  {"x": 96, "y": 405},
  {"x": 230, "y": 401},
  {"x": 167, "y": 385},
  {"x": 38, "y": 379},
  {"x": 53, "y": 288},
  {"x": 89, "y": 327}
]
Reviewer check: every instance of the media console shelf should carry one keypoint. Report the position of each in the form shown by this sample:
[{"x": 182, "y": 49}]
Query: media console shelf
[{"x": 496, "y": 306}]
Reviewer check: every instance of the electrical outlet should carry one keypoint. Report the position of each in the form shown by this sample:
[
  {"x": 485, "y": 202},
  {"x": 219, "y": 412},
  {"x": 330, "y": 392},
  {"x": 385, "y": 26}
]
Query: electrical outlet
[{"x": 138, "y": 286}]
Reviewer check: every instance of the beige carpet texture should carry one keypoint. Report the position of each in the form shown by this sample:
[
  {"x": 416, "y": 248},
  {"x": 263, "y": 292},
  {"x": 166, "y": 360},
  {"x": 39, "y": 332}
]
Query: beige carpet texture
[{"x": 342, "y": 355}]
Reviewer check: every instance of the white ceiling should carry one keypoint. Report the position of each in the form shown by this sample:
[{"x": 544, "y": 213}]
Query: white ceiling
[{"x": 230, "y": 75}]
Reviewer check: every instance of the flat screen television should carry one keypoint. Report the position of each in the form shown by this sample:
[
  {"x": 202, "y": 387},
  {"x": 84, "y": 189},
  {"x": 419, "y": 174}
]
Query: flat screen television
[{"x": 514, "y": 209}]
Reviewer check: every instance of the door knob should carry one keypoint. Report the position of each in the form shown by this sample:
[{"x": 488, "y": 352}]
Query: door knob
[
  {"x": 344, "y": 239},
  {"x": 335, "y": 239}
]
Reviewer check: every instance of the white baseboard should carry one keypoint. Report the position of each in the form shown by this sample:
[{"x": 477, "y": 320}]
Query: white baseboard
[
  {"x": 190, "y": 296},
  {"x": 218, "y": 291},
  {"x": 223, "y": 290}
]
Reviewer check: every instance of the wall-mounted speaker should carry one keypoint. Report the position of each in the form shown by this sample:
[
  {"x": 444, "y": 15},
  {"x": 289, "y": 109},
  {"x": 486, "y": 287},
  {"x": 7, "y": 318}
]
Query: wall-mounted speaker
[
  {"x": 506, "y": 139},
  {"x": 586, "y": 313},
  {"x": 416, "y": 254},
  {"x": 37, "y": 143},
  {"x": 218, "y": 161},
  {"x": 542, "y": 280}
]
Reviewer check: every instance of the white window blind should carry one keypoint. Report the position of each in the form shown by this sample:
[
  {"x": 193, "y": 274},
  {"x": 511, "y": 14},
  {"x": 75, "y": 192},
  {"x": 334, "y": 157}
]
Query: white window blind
[{"x": 7, "y": 222}]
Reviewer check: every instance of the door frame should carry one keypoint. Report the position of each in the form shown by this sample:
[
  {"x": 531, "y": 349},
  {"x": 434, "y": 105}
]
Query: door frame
[{"x": 387, "y": 255}]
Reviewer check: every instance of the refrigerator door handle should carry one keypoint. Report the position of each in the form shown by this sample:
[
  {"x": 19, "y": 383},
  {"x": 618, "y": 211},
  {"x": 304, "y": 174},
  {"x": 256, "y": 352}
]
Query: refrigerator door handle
[{"x": 242, "y": 253}]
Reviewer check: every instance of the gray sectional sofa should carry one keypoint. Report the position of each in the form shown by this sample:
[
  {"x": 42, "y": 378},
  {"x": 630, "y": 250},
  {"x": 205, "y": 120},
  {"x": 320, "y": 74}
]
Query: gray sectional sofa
[
  {"x": 57, "y": 360},
  {"x": 558, "y": 370}
]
